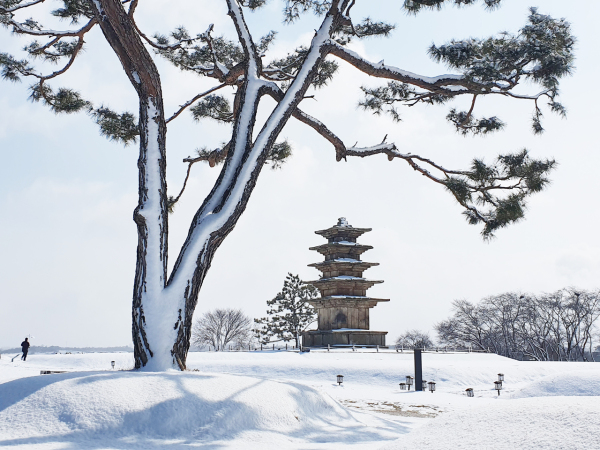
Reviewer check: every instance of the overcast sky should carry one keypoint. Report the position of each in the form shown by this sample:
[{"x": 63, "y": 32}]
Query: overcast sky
[{"x": 67, "y": 195}]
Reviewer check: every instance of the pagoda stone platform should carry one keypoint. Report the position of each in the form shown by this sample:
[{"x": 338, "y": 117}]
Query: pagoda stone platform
[{"x": 343, "y": 308}]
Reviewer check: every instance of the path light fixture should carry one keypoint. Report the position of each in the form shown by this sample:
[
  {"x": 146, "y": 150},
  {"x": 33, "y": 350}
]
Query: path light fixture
[
  {"x": 498, "y": 386},
  {"x": 409, "y": 381},
  {"x": 340, "y": 379},
  {"x": 402, "y": 386},
  {"x": 500, "y": 377},
  {"x": 424, "y": 385},
  {"x": 470, "y": 392},
  {"x": 112, "y": 364},
  {"x": 431, "y": 385}
]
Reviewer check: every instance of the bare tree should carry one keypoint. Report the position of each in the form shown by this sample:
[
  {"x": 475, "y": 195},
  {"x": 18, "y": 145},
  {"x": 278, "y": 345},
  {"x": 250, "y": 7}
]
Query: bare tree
[
  {"x": 493, "y": 195},
  {"x": 222, "y": 327},
  {"x": 414, "y": 339},
  {"x": 557, "y": 326}
]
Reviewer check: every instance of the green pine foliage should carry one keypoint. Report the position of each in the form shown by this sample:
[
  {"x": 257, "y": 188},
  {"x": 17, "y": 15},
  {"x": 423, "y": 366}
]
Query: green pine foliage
[
  {"x": 415, "y": 6},
  {"x": 541, "y": 53},
  {"x": 293, "y": 9},
  {"x": 466, "y": 123},
  {"x": 289, "y": 313},
  {"x": 64, "y": 100},
  {"x": 279, "y": 154},
  {"x": 198, "y": 54},
  {"x": 476, "y": 189},
  {"x": 291, "y": 64},
  {"x": 214, "y": 107},
  {"x": 117, "y": 127},
  {"x": 74, "y": 10},
  {"x": 12, "y": 68},
  {"x": 367, "y": 28}
]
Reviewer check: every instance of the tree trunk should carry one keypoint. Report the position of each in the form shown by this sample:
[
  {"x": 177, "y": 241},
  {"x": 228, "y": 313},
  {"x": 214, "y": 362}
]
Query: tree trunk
[
  {"x": 151, "y": 320},
  {"x": 162, "y": 311}
]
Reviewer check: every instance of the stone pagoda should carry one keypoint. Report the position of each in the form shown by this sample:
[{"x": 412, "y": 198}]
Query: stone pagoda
[{"x": 343, "y": 308}]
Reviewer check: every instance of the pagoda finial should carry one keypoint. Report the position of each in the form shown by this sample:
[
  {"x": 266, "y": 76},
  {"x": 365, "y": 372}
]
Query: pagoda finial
[{"x": 343, "y": 222}]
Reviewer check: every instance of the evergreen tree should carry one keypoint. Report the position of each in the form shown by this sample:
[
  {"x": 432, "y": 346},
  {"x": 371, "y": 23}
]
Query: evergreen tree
[
  {"x": 493, "y": 195},
  {"x": 289, "y": 313}
]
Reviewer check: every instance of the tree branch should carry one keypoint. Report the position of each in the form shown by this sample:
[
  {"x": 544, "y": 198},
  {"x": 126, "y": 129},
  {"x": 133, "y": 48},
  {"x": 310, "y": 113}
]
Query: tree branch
[
  {"x": 245, "y": 38},
  {"x": 444, "y": 84},
  {"x": 191, "y": 102},
  {"x": 68, "y": 65},
  {"x": 277, "y": 94},
  {"x": 17, "y": 7},
  {"x": 19, "y": 29}
]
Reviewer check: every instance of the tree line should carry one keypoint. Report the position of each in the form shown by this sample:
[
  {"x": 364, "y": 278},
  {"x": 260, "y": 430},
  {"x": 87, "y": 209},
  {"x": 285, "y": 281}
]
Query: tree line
[{"x": 557, "y": 326}]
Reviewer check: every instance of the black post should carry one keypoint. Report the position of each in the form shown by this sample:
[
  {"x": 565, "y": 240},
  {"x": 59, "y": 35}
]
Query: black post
[{"x": 418, "y": 370}]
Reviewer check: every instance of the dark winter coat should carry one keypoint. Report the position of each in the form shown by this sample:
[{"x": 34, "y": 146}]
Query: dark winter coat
[{"x": 25, "y": 346}]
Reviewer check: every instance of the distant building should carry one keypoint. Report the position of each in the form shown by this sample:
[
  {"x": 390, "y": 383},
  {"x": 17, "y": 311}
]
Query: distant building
[{"x": 343, "y": 308}]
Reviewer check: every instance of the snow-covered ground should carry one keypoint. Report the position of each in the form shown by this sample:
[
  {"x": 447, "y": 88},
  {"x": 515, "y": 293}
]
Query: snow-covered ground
[{"x": 286, "y": 400}]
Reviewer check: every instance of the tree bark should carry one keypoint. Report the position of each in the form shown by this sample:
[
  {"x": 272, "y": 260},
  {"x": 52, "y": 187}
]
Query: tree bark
[{"x": 150, "y": 216}]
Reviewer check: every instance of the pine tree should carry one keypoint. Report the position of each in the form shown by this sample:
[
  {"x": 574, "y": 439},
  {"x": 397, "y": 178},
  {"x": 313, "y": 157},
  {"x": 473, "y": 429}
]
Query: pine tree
[
  {"x": 493, "y": 194},
  {"x": 289, "y": 313}
]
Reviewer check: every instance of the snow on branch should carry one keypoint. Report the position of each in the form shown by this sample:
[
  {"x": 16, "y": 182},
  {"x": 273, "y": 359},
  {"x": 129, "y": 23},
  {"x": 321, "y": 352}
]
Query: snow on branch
[
  {"x": 7, "y": 6},
  {"x": 448, "y": 84},
  {"x": 33, "y": 28},
  {"x": 494, "y": 195},
  {"x": 245, "y": 38},
  {"x": 415, "y": 6},
  {"x": 542, "y": 53}
]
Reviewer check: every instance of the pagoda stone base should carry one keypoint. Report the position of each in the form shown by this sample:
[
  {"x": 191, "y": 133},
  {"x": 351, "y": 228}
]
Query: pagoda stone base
[{"x": 343, "y": 338}]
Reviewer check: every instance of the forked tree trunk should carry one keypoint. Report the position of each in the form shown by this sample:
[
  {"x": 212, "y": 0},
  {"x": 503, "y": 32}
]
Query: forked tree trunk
[{"x": 162, "y": 311}]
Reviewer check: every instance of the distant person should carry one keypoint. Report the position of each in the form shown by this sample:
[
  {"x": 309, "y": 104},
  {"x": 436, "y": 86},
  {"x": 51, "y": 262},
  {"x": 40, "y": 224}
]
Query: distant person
[{"x": 25, "y": 347}]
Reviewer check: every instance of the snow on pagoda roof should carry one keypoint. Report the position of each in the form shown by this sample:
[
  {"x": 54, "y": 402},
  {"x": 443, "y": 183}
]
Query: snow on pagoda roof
[
  {"x": 342, "y": 262},
  {"x": 334, "y": 245},
  {"x": 342, "y": 228},
  {"x": 329, "y": 298}
]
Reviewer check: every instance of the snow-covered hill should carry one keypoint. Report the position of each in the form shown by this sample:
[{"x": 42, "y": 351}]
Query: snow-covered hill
[{"x": 280, "y": 400}]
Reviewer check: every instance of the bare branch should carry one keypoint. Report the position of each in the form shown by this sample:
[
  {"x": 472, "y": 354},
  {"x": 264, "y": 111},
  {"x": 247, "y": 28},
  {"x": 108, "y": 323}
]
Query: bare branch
[
  {"x": 213, "y": 158},
  {"x": 69, "y": 63},
  {"x": 132, "y": 7},
  {"x": 191, "y": 102},
  {"x": 277, "y": 94}
]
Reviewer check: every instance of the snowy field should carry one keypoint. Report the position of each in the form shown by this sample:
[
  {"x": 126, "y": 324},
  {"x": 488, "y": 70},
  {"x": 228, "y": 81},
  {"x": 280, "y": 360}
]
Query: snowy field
[{"x": 281, "y": 400}]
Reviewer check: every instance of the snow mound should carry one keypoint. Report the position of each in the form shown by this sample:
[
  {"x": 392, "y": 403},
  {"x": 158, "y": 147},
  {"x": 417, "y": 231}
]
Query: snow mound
[
  {"x": 568, "y": 385},
  {"x": 132, "y": 409},
  {"x": 528, "y": 423}
]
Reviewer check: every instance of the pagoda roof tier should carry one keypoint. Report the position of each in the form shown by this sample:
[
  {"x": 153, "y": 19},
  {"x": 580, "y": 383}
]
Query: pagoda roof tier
[
  {"x": 345, "y": 247},
  {"x": 344, "y": 281},
  {"x": 343, "y": 264},
  {"x": 342, "y": 229},
  {"x": 334, "y": 232},
  {"x": 335, "y": 301}
]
